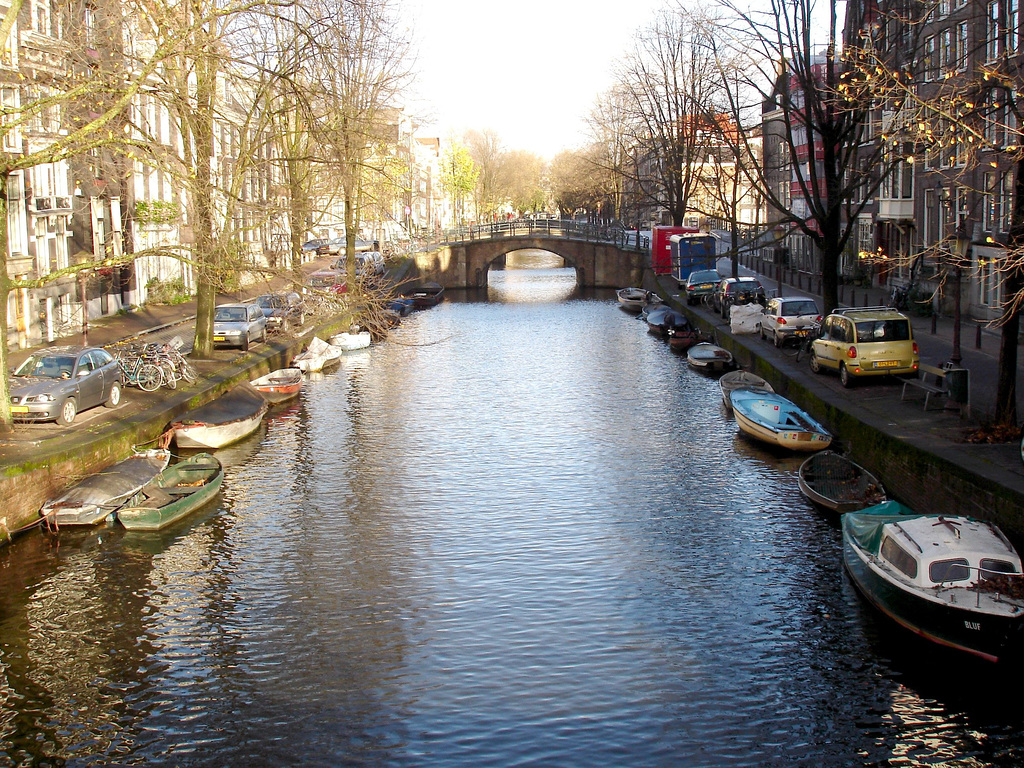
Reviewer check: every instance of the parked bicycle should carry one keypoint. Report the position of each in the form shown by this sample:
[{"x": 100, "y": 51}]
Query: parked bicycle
[
  {"x": 803, "y": 349},
  {"x": 137, "y": 372}
]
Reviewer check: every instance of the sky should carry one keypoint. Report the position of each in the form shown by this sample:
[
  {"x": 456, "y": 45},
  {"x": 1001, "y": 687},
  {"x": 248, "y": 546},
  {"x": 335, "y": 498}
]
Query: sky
[{"x": 529, "y": 70}]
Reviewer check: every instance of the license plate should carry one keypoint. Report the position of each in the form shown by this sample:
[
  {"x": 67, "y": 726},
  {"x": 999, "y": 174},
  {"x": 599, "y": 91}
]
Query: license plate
[
  {"x": 218, "y": 338},
  {"x": 887, "y": 364},
  {"x": 799, "y": 333},
  {"x": 705, "y": 285},
  {"x": 19, "y": 409}
]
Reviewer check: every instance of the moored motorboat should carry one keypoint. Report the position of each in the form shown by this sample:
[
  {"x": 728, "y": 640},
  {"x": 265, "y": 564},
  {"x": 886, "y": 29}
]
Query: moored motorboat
[
  {"x": 348, "y": 342},
  {"x": 224, "y": 421},
  {"x": 280, "y": 385},
  {"x": 429, "y": 294},
  {"x": 709, "y": 357},
  {"x": 662, "y": 322},
  {"x": 93, "y": 498},
  {"x": 681, "y": 338},
  {"x": 839, "y": 484},
  {"x": 317, "y": 355},
  {"x": 951, "y": 579},
  {"x": 635, "y": 299},
  {"x": 177, "y": 491},
  {"x": 733, "y": 380},
  {"x": 771, "y": 418}
]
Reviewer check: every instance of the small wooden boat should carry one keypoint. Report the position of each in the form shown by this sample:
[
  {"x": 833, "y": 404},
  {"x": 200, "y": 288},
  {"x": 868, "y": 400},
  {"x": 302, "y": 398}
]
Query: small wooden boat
[
  {"x": 773, "y": 419},
  {"x": 951, "y": 579},
  {"x": 347, "y": 342},
  {"x": 179, "y": 490},
  {"x": 683, "y": 337},
  {"x": 709, "y": 357},
  {"x": 836, "y": 483},
  {"x": 730, "y": 382},
  {"x": 402, "y": 305},
  {"x": 429, "y": 294},
  {"x": 224, "y": 421},
  {"x": 318, "y": 354},
  {"x": 280, "y": 385},
  {"x": 635, "y": 299},
  {"x": 90, "y": 500}
]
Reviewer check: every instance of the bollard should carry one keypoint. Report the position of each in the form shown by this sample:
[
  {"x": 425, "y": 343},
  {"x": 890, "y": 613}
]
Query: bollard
[
  {"x": 935, "y": 320},
  {"x": 853, "y": 298},
  {"x": 977, "y": 337},
  {"x": 867, "y": 302}
]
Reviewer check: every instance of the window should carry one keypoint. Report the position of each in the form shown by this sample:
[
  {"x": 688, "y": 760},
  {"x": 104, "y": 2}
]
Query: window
[
  {"x": 963, "y": 43},
  {"x": 882, "y": 330},
  {"x": 1012, "y": 22},
  {"x": 931, "y": 65},
  {"x": 942, "y": 571},
  {"x": 946, "y": 51},
  {"x": 41, "y": 17},
  {"x": 990, "y": 566},
  {"x": 899, "y": 557},
  {"x": 89, "y": 26},
  {"x": 992, "y": 41},
  {"x": 988, "y": 282}
]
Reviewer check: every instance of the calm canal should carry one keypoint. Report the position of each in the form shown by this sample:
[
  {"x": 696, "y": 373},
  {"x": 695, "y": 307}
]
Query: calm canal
[{"x": 522, "y": 532}]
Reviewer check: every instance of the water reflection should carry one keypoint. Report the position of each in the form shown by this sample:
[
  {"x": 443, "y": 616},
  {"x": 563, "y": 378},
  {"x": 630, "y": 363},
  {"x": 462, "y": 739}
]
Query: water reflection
[
  {"x": 531, "y": 276},
  {"x": 522, "y": 531}
]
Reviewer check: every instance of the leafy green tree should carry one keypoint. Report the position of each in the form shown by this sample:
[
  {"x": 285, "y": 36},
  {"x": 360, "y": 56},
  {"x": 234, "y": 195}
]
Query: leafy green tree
[{"x": 459, "y": 176}]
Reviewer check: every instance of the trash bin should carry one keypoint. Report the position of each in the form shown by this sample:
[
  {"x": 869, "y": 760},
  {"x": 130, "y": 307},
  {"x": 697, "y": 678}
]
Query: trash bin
[{"x": 958, "y": 385}]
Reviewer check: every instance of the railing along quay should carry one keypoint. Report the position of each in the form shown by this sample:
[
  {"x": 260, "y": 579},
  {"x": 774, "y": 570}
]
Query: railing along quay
[{"x": 567, "y": 229}]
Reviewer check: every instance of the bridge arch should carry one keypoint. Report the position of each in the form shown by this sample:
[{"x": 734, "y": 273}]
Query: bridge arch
[{"x": 597, "y": 264}]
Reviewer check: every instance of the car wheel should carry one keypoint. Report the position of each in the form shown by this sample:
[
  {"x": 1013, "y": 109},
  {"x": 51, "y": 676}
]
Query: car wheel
[
  {"x": 263, "y": 334},
  {"x": 778, "y": 341},
  {"x": 844, "y": 376},
  {"x": 245, "y": 342},
  {"x": 815, "y": 363},
  {"x": 114, "y": 399},
  {"x": 726, "y": 311},
  {"x": 67, "y": 413}
]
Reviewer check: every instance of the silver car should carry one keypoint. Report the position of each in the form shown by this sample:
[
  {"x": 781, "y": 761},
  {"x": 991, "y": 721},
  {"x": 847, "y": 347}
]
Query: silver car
[
  {"x": 238, "y": 325},
  {"x": 55, "y": 384}
]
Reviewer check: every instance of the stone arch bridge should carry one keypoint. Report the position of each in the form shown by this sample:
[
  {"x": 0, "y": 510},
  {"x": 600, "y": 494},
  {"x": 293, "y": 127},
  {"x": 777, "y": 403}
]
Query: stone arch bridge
[{"x": 603, "y": 257}]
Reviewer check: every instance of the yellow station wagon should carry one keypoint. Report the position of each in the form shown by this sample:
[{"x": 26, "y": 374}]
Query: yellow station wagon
[{"x": 873, "y": 341}]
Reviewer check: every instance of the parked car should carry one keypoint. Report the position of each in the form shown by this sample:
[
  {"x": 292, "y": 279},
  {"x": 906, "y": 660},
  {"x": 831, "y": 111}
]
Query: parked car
[
  {"x": 282, "y": 310},
  {"x": 313, "y": 246},
  {"x": 331, "y": 247},
  {"x": 699, "y": 284},
  {"x": 788, "y": 317},
  {"x": 370, "y": 263},
  {"x": 330, "y": 280},
  {"x": 55, "y": 384},
  {"x": 238, "y": 325},
  {"x": 873, "y": 341},
  {"x": 736, "y": 290}
]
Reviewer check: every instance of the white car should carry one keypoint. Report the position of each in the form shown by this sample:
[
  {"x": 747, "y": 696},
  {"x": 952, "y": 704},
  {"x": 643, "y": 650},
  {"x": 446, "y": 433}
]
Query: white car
[
  {"x": 788, "y": 317},
  {"x": 369, "y": 263}
]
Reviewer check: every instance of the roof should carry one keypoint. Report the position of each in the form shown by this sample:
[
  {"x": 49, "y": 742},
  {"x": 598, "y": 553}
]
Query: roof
[{"x": 870, "y": 313}]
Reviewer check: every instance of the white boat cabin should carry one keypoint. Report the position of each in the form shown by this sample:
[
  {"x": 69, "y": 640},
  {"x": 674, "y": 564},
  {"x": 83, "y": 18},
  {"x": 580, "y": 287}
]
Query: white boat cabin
[{"x": 947, "y": 551}]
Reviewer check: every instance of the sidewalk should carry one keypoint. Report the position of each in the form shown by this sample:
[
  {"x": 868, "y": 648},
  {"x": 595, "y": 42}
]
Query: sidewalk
[{"x": 935, "y": 347}]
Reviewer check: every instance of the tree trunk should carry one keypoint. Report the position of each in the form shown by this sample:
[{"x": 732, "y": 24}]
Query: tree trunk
[
  {"x": 206, "y": 253},
  {"x": 1013, "y": 282},
  {"x": 6, "y": 423}
]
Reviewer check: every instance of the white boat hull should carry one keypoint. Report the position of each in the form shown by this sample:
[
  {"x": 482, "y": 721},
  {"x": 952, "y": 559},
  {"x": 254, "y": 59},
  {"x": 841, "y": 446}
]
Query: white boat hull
[
  {"x": 216, "y": 435},
  {"x": 348, "y": 342}
]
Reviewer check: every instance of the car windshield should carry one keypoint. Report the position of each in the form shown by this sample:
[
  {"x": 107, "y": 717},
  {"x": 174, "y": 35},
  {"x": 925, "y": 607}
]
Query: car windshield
[
  {"x": 321, "y": 281},
  {"x": 792, "y": 308},
  {"x": 47, "y": 366},
  {"x": 744, "y": 285},
  {"x": 883, "y": 330},
  {"x": 704, "y": 276},
  {"x": 229, "y": 315}
]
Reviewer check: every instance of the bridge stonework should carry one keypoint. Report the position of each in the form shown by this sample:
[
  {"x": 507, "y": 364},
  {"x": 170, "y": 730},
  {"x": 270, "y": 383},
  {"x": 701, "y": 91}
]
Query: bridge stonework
[{"x": 598, "y": 265}]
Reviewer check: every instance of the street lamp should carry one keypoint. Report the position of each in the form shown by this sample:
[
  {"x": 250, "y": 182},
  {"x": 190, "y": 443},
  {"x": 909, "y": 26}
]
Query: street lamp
[{"x": 961, "y": 246}]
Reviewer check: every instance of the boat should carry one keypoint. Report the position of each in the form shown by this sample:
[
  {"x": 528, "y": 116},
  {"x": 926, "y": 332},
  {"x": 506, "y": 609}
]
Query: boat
[
  {"x": 681, "y": 338},
  {"x": 771, "y": 418},
  {"x": 224, "y": 421},
  {"x": 347, "y": 342},
  {"x": 403, "y": 305},
  {"x": 951, "y": 579},
  {"x": 180, "y": 489},
  {"x": 280, "y": 385},
  {"x": 93, "y": 498},
  {"x": 660, "y": 323},
  {"x": 709, "y": 357},
  {"x": 429, "y": 294},
  {"x": 318, "y": 354},
  {"x": 635, "y": 299},
  {"x": 833, "y": 481},
  {"x": 733, "y": 380}
]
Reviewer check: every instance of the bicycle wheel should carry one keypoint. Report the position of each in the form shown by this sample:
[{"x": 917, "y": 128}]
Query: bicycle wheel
[
  {"x": 167, "y": 371},
  {"x": 188, "y": 373},
  {"x": 148, "y": 377}
]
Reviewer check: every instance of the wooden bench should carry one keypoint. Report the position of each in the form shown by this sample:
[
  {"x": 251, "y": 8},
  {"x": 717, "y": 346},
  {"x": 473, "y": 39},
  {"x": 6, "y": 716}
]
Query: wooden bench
[{"x": 929, "y": 378}]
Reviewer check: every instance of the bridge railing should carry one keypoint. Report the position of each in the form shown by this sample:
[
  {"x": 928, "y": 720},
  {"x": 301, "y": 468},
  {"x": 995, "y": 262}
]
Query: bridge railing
[{"x": 570, "y": 229}]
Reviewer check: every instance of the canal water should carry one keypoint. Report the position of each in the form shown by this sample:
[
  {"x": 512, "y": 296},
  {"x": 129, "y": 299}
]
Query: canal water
[{"x": 522, "y": 532}]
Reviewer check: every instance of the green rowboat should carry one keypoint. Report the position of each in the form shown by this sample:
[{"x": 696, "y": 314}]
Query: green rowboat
[{"x": 180, "y": 489}]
